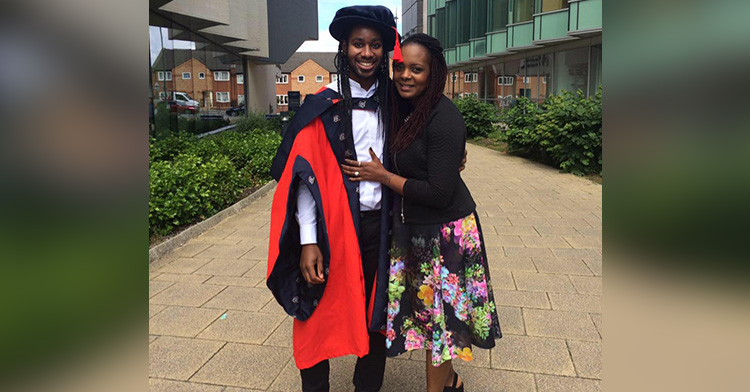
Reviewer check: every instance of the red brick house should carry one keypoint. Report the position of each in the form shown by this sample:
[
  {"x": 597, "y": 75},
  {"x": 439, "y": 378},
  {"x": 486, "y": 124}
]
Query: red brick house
[
  {"x": 306, "y": 72},
  {"x": 202, "y": 75}
]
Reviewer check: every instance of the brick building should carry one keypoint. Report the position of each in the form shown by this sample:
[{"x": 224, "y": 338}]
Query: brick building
[
  {"x": 202, "y": 75},
  {"x": 306, "y": 72}
]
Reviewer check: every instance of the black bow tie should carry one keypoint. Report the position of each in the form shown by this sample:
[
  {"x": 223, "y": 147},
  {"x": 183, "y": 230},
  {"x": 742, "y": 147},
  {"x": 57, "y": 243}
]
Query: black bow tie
[{"x": 365, "y": 103}]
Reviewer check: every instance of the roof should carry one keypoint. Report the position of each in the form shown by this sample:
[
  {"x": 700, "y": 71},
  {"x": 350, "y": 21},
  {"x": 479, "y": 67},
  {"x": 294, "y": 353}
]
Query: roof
[
  {"x": 215, "y": 61},
  {"x": 324, "y": 59}
]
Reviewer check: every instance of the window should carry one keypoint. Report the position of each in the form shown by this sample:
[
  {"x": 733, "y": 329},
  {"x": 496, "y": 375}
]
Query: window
[
  {"x": 526, "y": 80},
  {"x": 454, "y": 78},
  {"x": 504, "y": 80},
  {"x": 240, "y": 99},
  {"x": 186, "y": 75},
  {"x": 240, "y": 79},
  {"x": 162, "y": 95},
  {"x": 301, "y": 78},
  {"x": 523, "y": 11},
  {"x": 169, "y": 75},
  {"x": 282, "y": 79},
  {"x": 470, "y": 77},
  {"x": 282, "y": 100},
  {"x": 319, "y": 79},
  {"x": 553, "y": 5},
  {"x": 201, "y": 75},
  {"x": 221, "y": 76},
  {"x": 222, "y": 97},
  {"x": 544, "y": 80},
  {"x": 335, "y": 78},
  {"x": 498, "y": 15},
  {"x": 160, "y": 76}
]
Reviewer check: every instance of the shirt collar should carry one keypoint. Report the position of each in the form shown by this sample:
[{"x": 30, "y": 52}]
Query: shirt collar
[{"x": 357, "y": 90}]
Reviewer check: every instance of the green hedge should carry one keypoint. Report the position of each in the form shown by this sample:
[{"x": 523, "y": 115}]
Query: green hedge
[
  {"x": 478, "y": 116},
  {"x": 191, "y": 179},
  {"x": 565, "y": 131}
]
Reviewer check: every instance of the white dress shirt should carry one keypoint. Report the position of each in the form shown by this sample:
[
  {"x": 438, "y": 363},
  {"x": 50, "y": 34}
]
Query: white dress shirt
[{"x": 368, "y": 133}]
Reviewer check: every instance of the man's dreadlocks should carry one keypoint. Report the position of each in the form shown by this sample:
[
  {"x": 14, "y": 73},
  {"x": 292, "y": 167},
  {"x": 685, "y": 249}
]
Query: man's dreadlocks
[{"x": 382, "y": 93}]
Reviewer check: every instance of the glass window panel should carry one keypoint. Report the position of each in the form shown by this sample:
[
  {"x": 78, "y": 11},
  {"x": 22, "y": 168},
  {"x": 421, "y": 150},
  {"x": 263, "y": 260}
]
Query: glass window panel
[
  {"x": 452, "y": 23},
  {"x": 498, "y": 15},
  {"x": 532, "y": 79},
  {"x": 553, "y": 5},
  {"x": 596, "y": 69},
  {"x": 546, "y": 68},
  {"x": 478, "y": 18},
  {"x": 523, "y": 10},
  {"x": 464, "y": 21},
  {"x": 441, "y": 28},
  {"x": 571, "y": 70}
]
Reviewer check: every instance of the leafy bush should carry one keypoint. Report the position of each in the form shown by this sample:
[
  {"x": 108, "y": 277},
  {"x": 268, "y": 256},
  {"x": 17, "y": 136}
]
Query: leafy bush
[
  {"x": 192, "y": 178},
  {"x": 566, "y": 131},
  {"x": 478, "y": 116},
  {"x": 189, "y": 188},
  {"x": 255, "y": 121}
]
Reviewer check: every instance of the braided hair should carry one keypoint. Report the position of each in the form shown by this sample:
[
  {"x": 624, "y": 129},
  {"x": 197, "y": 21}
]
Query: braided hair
[
  {"x": 403, "y": 132},
  {"x": 382, "y": 94}
]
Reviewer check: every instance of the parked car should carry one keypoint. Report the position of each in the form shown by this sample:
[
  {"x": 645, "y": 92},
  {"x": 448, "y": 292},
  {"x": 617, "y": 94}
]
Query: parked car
[
  {"x": 177, "y": 107},
  {"x": 184, "y": 99},
  {"x": 236, "y": 111}
]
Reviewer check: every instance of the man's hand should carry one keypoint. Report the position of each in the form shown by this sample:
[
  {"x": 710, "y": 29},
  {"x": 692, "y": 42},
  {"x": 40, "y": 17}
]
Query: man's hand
[
  {"x": 463, "y": 162},
  {"x": 311, "y": 264}
]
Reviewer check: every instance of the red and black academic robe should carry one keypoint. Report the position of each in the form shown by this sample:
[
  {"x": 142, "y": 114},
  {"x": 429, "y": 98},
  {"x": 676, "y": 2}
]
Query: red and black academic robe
[{"x": 330, "y": 318}]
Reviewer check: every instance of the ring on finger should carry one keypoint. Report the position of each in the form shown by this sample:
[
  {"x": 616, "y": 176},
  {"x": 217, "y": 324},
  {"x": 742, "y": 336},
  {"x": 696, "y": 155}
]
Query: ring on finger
[
  {"x": 359, "y": 163},
  {"x": 356, "y": 174}
]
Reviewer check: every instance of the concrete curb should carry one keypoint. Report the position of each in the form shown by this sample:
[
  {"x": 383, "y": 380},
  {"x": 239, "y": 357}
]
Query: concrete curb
[{"x": 159, "y": 250}]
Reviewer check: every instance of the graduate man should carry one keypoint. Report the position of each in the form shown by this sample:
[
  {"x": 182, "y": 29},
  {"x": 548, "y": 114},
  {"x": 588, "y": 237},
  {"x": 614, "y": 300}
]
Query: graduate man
[{"x": 328, "y": 252}]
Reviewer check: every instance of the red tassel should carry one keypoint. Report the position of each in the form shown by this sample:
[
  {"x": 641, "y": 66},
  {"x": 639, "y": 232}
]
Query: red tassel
[{"x": 397, "y": 49}]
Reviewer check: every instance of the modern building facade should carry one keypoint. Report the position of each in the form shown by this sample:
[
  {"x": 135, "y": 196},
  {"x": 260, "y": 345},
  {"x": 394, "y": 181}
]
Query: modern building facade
[
  {"x": 245, "y": 38},
  {"x": 499, "y": 50},
  {"x": 306, "y": 73}
]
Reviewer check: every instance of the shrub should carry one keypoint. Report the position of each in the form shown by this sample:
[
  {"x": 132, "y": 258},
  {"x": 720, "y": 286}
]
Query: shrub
[
  {"x": 255, "y": 121},
  {"x": 478, "y": 116},
  {"x": 566, "y": 131},
  {"x": 189, "y": 188}
]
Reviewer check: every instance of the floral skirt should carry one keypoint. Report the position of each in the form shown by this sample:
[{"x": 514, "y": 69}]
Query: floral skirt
[{"x": 439, "y": 293}]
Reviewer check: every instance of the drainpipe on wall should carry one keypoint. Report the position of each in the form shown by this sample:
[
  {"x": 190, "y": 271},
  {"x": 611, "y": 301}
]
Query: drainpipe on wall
[{"x": 246, "y": 84}]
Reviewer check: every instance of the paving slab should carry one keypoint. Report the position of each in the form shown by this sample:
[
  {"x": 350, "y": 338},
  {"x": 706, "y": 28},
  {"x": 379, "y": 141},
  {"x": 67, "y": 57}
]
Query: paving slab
[
  {"x": 225, "y": 251},
  {"x": 560, "y": 324},
  {"x": 186, "y": 294},
  {"x": 576, "y": 302},
  {"x": 185, "y": 265},
  {"x": 157, "y": 287},
  {"x": 182, "y": 321},
  {"x": 240, "y": 298},
  {"x": 562, "y": 266},
  {"x": 225, "y": 267},
  {"x": 533, "y": 354},
  {"x": 543, "y": 282},
  {"x": 524, "y": 299},
  {"x": 511, "y": 320},
  {"x": 244, "y": 365},
  {"x": 234, "y": 281},
  {"x": 168, "y": 277},
  {"x": 546, "y": 383},
  {"x": 162, "y": 385},
  {"x": 242, "y": 327},
  {"x": 178, "y": 358},
  {"x": 154, "y": 309},
  {"x": 587, "y": 357},
  {"x": 282, "y": 335}
]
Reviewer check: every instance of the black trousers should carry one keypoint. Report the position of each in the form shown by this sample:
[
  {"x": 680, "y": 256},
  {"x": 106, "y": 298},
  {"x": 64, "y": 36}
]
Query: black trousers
[{"x": 368, "y": 373}]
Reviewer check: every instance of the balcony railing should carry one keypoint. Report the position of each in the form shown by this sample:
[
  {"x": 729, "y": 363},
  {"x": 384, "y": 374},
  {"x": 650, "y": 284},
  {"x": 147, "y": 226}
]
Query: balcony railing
[
  {"x": 496, "y": 42},
  {"x": 585, "y": 15},
  {"x": 520, "y": 34},
  {"x": 551, "y": 26},
  {"x": 463, "y": 53},
  {"x": 477, "y": 47}
]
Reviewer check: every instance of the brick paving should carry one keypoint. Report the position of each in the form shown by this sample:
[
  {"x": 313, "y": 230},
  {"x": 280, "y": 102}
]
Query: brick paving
[{"x": 213, "y": 325}]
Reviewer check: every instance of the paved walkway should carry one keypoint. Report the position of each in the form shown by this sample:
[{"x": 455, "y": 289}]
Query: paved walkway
[{"x": 215, "y": 327}]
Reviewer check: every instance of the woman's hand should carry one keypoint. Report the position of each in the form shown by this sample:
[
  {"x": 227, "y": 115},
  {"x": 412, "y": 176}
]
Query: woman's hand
[{"x": 366, "y": 171}]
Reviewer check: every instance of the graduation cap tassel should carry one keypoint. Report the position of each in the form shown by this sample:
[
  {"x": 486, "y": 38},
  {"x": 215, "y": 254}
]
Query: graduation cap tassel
[{"x": 397, "y": 49}]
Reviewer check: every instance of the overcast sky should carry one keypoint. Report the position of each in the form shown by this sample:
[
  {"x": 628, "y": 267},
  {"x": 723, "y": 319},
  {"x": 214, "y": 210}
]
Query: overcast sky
[{"x": 325, "y": 43}]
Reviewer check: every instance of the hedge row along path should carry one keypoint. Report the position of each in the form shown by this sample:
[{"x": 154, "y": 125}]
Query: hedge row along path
[{"x": 215, "y": 327}]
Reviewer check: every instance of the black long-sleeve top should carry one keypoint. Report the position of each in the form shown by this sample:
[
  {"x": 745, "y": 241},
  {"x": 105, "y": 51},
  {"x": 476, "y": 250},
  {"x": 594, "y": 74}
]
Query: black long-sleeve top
[{"x": 434, "y": 191}]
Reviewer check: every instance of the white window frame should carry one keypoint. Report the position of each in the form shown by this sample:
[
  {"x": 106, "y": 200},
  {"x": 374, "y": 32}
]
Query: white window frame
[
  {"x": 454, "y": 78},
  {"x": 282, "y": 79},
  {"x": 334, "y": 78},
  {"x": 318, "y": 78},
  {"x": 189, "y": 76},
  {"x": 282, "y": 100},
  {"x": 201, "y": 75},
  {"x": 169, "y": 76},
  {"x": 218, "y": 96},
  {"x": 240, "y": 79},
  {"x": 160, "y": 76},
  {"x": 240, "y": 99},
  {"x": 504, "y": 80},
  {"x": 526, "y": 80},
  {"x": 470, "y": 77},
  {"x": 544, "y": 80},
  {"x": 162, "y": 95},
  {"x": 221, "y": 76},
  {"x": 300, "y": 78}
]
